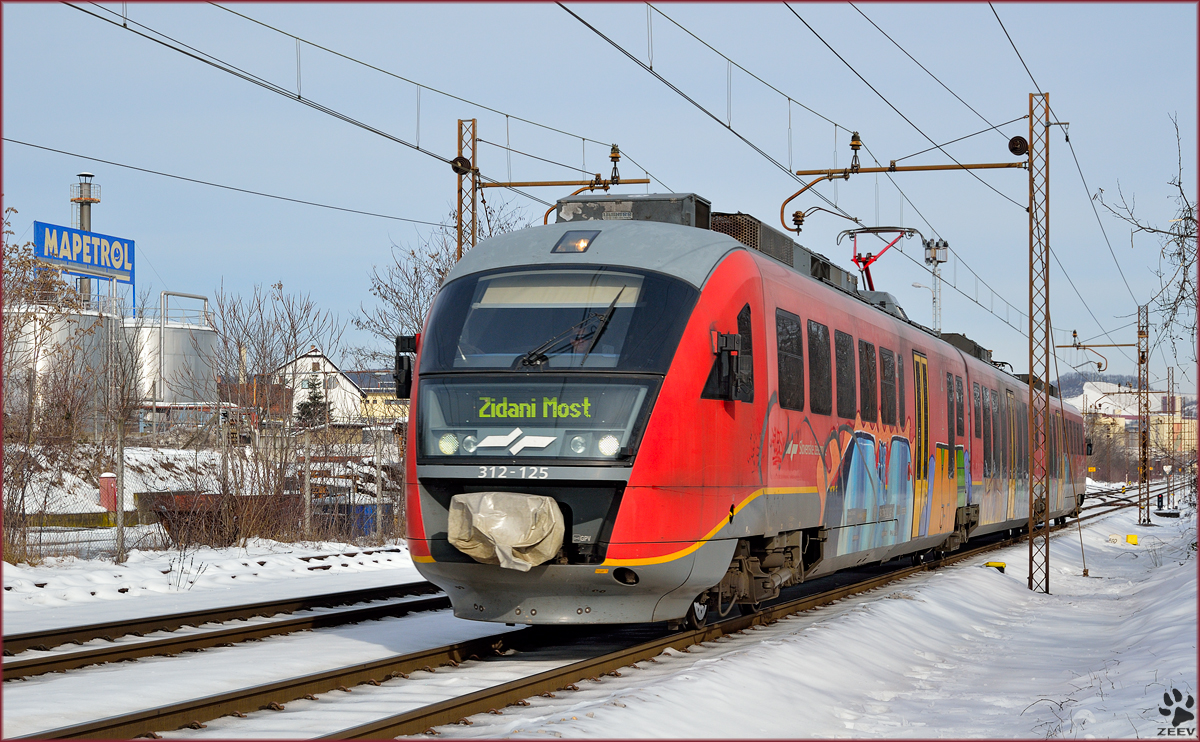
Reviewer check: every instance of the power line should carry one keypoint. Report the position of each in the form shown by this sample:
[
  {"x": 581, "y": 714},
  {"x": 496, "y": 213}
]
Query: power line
[
  {"x": 748, "y": 72},
  {"x": 939, "y": 82},
  {"x": 220, "y": 185},
  {"x": 1082, "y": 179},
  {"x": 1014, "y": 46},
  {"x": 1056, "y": 259},
  {"x": 427, "y": 87},
  {"x": 533, "y": 157},
  {"x": 897, "y": 110},
  {"x": 704, "y": 110},
  {"x": 775, "y": 162},
  {"x": 1075, "y": 157},
  {"x": 954, "y": 141},
  {"x": 212, "y": 61}
]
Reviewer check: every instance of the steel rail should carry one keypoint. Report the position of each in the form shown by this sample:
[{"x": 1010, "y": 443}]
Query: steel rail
[
  {"x": 193, "y": 712},
  {"x": 272, "y": 696},
  {"x": 456, "y": 710},
  {"x": 172, "y": 645},
  {"x": 44, "y": 640}
]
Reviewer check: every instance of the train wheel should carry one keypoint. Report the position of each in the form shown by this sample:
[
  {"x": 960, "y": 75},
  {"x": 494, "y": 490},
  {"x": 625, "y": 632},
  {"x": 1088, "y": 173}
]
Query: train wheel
[
  {"x": 697, "y": 615},
  {"x": 749, "y": 609}
]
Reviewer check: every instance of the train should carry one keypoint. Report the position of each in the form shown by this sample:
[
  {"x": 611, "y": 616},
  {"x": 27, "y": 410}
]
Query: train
[{"x": 649, "y": 411}]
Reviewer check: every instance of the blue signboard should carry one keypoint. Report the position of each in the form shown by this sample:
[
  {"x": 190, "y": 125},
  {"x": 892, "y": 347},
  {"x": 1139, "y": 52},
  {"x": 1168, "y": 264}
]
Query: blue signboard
[{"x": 85, "y": 253}]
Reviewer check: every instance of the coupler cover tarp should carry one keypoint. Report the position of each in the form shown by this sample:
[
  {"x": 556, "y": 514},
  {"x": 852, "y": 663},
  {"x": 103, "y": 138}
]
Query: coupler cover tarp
[{"x": 512, "y": 529}]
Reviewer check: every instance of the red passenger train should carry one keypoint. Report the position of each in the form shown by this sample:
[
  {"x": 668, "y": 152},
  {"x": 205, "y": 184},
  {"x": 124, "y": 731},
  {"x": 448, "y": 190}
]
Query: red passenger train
[{"x": 616, "y": 418}]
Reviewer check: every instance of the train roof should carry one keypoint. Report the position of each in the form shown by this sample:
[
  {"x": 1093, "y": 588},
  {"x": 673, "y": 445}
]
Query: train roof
[
  {"x": 646, "y": 240},
  {"x": 686, "y": 253}
]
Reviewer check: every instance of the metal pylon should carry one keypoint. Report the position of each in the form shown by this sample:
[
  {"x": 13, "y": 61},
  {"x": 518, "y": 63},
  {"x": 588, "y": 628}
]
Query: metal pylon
[
  {"x": 467, "y": 221},
  {"x": 1143, "y": 350},
  {"x": 1039, "y": 342}
]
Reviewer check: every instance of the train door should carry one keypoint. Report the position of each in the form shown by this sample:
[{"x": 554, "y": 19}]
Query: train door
[
  {"x": 1010, "y": 478},
  {"x": 921, "y": 461}
]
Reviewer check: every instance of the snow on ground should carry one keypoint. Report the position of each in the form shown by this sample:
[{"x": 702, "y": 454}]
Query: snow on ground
[
  {"x": 961, "y": 652},
  {"x": 67, "y": 591},
  {"x": 46, "y": 702},
  {"x": 70, "y": 487}
]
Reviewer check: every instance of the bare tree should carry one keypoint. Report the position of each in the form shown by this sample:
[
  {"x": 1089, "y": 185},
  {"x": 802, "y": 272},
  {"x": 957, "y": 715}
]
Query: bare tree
[
  {"x": 1175, "y": 302},
  {"x": 258, "y": 336},
  {"x": 126, "y": 393},
  {"x": 405, "y": 287},
  {"x": 47, "y": 385}
]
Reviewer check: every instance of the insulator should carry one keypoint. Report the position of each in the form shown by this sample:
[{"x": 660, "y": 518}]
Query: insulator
[{"x": 798, "y": 220}]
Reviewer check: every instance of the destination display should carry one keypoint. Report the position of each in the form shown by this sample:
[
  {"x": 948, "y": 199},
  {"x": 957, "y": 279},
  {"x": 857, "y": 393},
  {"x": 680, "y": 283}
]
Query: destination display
[{"x": 539, "y": 417}]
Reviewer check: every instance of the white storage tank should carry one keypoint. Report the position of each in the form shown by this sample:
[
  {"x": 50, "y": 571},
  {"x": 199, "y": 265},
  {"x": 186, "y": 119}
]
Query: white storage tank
[{"x": 189, "y": 356}]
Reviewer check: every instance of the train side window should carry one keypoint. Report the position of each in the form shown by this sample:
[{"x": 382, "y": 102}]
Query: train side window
[
  {"x": 950, "y": 412},
  {"x": 746, "y": 367},
  {"x": 958, "y": 406},
  {"x": 847, "y": 399},
  {"x": 866, "y": 381},
  {"x": 997, "y": 428},
  {"x": 987, "y": 432},
  {"x": 978, "y": 422},
  {"x": 887, "y": 384},
  {"x": 820, "y": 370},
  {"x": 1004, "y": 432},
  {"x": 790, "y": 348},
  {"x": 902, "y": 408},
  {"x": 721, "y": 376}
]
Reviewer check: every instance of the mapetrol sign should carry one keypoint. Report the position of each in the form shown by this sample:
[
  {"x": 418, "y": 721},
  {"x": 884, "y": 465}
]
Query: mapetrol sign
[{"x": 86, "y": 253}]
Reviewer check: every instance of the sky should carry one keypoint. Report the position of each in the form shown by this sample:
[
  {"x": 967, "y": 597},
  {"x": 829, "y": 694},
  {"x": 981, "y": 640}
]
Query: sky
[{"x": 1116, "y": 73}]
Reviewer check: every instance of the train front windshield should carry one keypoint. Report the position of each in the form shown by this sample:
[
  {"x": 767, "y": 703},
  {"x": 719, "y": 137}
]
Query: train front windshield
[{"x": 547, "y": 363}]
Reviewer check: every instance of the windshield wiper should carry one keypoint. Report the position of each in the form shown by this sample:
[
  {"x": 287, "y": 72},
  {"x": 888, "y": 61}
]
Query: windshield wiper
[
  {"x": 537, "y": 356},
  {"x": 608, "y": 314}
]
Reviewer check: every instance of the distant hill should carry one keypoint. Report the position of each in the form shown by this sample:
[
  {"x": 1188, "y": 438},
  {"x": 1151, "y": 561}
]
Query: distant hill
[{"x": 1071, "y": 384}]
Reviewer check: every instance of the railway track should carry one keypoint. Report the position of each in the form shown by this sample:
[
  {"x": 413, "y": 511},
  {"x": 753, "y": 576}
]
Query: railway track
[
  {"x": 1112, "y": 500},
  {"x": 392, "y": 607},
  {"x": 194, "y": 712},
  {"x": 45, "y": 640}
]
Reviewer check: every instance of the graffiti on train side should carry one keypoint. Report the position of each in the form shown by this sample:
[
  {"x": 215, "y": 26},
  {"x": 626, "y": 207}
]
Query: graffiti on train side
[{"x": 874, "y": 495}]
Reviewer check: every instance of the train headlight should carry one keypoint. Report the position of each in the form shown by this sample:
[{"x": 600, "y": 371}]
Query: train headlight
[
  {"x": 578, "y": 444},
  {"x": 470, "y": 443},
  {"x": 448, "y": 444},
  {"x": 609, "y": 445}
]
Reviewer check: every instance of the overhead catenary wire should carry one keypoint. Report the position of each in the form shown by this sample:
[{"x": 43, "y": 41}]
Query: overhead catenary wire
[
  {"x": 743, "y": 69},
  {"x": 693, "y": 101},
  {"x": 223, "y": 186},
  {"x": 954, "y": 141},
  {"x": 1075, "y": 157},
  {"x": 532, "y": 157},
  {"x": 830, "y": 203},
  {"x": 960, "y": 99},
  {"x": 991, "y": 126},
  {"x": 212, "y": 61},
  {"x": 897, "y": 110},
  {"x": 419, "y": 85}
]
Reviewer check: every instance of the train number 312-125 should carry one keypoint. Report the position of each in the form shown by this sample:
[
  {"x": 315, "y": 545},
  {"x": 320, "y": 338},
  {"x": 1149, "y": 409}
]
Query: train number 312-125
[{"x": 514, "y": 472}]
